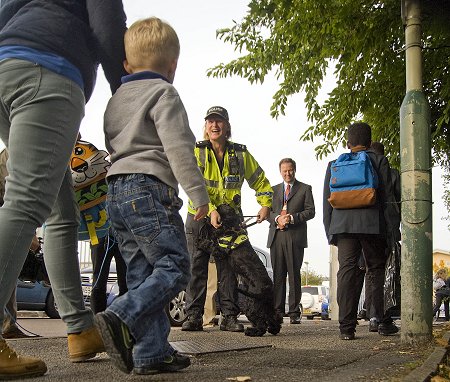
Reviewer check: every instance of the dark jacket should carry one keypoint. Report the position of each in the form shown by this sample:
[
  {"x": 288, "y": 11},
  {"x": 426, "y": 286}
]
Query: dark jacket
[
  {"x": 300, "y": 205},
  {"x": 381, "y": 218},
  {"x": 85, "y": 32},
  {"x": 396, "y": 187}
]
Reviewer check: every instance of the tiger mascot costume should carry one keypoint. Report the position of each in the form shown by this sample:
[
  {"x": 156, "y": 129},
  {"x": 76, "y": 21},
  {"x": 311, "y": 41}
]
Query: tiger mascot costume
[{"x": 89, "y": 167}]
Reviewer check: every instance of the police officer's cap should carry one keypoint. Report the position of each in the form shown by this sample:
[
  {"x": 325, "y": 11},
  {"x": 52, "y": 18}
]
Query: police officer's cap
[{"x": 217, "y": 110}]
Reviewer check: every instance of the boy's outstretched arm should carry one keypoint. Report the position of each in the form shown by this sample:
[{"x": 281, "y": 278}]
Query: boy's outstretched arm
[{"x": 201, "y": 212}]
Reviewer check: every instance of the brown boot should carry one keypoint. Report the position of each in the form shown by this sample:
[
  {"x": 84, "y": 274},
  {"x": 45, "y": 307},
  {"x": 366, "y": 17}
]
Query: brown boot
[
  {"x": 85, "y": 345},
  {"x": 13, "y": 366}
]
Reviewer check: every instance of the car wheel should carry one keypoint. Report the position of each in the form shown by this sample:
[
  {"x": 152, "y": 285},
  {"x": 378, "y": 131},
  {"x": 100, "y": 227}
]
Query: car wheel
[
  {"x": 51, "y": 309},
  {"x": 309, "y": 317},
  {"x": 176, "y": 309}
]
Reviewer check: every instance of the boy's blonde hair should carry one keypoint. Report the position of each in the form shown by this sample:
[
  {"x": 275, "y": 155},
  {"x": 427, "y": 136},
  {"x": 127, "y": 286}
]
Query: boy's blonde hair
[{"x": 151, "y": 43}]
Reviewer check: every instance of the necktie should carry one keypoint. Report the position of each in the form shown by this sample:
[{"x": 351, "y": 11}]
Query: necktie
[{"x": 286, "y": 195}]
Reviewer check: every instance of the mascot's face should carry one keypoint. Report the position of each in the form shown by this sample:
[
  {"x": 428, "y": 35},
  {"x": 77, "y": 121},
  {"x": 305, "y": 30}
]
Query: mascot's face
[{"x": 88, "y": 164}]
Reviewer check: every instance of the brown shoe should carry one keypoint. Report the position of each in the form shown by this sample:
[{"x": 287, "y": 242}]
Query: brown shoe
[
  {"x": 85, "y": 345},
  {"x": 14, "y": 332},
  {"x": 13, "y": 366}
]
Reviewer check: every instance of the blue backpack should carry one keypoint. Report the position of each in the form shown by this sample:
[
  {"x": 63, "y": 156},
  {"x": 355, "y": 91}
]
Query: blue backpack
[
  {"x": 94, "y": 223},
  {"x": 353, "y": 181}
]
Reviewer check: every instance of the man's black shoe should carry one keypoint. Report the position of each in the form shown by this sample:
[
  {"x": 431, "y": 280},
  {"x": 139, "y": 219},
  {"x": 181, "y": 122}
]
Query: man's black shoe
[
  {"x": 362, "y": 315},
  {"x": 347, "y": 336},
  {"x": 295, "y": 320},
  {"x": 231, "y": 324},
  {"x": 170, "y": 364},
  {"x": 387, "y": 329},
  {"x": 117, "y": 339},
  {"x": 373, "y": 325},
  {"x": 192, "y": 324}
]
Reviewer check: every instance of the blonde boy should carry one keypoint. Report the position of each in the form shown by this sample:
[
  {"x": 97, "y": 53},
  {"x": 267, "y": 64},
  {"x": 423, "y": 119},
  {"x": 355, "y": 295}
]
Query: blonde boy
[{"x": 151, "y": 147}]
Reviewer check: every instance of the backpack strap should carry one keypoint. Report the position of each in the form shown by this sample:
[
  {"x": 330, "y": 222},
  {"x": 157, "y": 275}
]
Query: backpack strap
[{"x": 92, "y": 225}]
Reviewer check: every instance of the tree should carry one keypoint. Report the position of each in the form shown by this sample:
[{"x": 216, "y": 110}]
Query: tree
[
  {"x": 313, "y": 277},
  {"x": 298, "y": 40}
]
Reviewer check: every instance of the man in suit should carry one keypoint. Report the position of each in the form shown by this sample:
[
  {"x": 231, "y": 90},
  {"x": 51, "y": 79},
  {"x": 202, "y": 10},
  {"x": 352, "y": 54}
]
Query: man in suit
[
  {"x": 292, "y": 206},
  {"x": 367, "y": 229}
]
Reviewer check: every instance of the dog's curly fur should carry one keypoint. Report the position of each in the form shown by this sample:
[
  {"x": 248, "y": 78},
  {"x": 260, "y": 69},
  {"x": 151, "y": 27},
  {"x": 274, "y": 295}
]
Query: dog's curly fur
[{"x": 256, "y": 285}]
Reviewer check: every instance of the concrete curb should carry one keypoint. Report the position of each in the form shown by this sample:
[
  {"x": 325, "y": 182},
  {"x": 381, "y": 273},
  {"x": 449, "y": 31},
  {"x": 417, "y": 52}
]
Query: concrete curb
[{"x": 431, "y": 364}]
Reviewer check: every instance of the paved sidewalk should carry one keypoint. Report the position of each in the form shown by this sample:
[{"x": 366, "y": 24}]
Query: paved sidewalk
[{"x": 309, "y": 351}]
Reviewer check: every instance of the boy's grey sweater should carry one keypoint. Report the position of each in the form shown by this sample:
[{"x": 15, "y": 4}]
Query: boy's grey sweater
[{"x": 147, "y": 132}]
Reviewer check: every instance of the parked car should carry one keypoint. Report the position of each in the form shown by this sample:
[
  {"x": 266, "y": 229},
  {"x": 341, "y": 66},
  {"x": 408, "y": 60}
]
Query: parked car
[
  {"x": 176, "y": 309},
  {"x": 87, "y": 278},
  {"x": 36, "y": 296},
  {"x": 312, "y": 298}
]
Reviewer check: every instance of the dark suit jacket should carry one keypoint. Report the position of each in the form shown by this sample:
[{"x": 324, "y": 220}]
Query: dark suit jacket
[
  {"x": 381, "y": 218},
  {"x": 300, "y": 205}
]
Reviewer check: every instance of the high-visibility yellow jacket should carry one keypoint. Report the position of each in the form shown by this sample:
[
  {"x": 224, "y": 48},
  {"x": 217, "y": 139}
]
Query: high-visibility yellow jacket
[{"x": 225, "y": 186}]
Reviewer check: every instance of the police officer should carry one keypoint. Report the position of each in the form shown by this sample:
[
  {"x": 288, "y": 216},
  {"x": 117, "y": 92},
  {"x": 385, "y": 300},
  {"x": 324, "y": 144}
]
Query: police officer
[{"x": 224, "y": 165}]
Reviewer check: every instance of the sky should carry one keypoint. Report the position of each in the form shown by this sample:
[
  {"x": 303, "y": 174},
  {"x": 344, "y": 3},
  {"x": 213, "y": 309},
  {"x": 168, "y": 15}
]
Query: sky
[{"x": 267, "y": 139}]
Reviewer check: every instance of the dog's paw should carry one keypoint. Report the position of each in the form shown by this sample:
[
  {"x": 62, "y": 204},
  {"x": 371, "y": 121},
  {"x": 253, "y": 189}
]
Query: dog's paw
[
  {"x": 274, "y": 328},
  {"x": 254, "y": 332}
]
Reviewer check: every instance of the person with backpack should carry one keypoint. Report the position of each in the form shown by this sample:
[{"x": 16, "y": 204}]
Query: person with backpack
[
  {"x": 378, "y": 148},
  {"x": 89, "y": 167},
  {"x": 49, "y": 54},
  {"x": 101, "y": 256},
  {"x": 367, "y": 225}
]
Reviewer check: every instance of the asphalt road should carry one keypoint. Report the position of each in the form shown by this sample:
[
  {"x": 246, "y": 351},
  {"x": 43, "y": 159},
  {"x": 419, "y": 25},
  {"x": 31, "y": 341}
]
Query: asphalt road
[{"x": 311, "y": 350}]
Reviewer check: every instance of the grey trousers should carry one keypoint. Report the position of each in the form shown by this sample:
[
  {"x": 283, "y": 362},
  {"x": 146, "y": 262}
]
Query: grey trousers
[
  {"x": 40, "y": 115},
  {"x": 9, "y": 323}
]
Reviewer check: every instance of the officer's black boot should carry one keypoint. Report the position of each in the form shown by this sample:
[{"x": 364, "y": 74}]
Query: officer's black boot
[
  {"x": 193, "y": 324},
  {"x": 231, "y": 324}
]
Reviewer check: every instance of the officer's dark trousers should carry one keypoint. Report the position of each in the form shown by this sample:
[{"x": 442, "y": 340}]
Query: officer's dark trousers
[
  {"x": 349, "y": 250},
  {"x": 196, "y": 289}
]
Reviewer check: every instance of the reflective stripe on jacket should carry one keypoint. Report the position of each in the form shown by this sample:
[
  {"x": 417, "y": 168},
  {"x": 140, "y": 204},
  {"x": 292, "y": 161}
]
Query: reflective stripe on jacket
[{"x": 225, "y": 187}]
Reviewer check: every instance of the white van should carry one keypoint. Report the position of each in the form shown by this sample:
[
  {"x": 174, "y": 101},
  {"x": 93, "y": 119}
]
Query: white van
[{"x": 312, "y": 298}]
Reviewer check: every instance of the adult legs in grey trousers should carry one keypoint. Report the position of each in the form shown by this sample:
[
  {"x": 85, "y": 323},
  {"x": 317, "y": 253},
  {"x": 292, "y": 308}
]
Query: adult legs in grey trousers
[{"x": 40, "y": 114}]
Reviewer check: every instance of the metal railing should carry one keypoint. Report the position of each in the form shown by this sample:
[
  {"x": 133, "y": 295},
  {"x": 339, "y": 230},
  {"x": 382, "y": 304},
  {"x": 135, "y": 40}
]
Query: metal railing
[{"x": 84, "y": 254}]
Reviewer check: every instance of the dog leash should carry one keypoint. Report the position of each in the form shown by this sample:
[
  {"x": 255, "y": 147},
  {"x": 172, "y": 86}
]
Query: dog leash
[{"x": 249, "y": 217}]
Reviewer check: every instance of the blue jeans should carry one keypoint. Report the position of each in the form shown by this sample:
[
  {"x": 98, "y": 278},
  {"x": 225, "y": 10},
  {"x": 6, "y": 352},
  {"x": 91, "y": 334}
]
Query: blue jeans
[
  {"x": 40, "y": 114},
  {"x": 145, "y": 216}
]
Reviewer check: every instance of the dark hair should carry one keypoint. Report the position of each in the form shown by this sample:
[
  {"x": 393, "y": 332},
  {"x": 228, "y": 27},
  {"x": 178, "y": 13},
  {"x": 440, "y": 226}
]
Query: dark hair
[
  {"x": 378, "y": 147},
  {"x": 359, "y": 133},
  {"x": 288, "y": 160}
]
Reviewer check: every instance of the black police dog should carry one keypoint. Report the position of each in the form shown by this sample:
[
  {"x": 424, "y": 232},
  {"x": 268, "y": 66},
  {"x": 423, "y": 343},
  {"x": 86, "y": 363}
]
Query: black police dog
[{"x": 255, "y": 283}]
